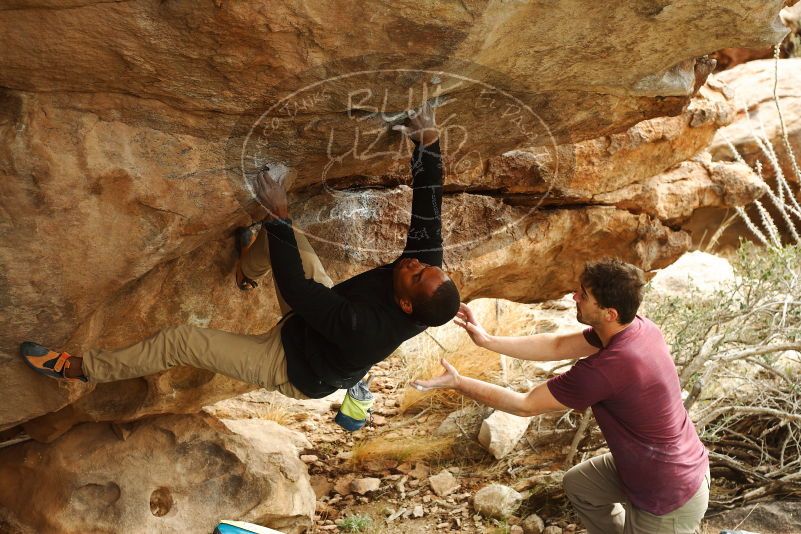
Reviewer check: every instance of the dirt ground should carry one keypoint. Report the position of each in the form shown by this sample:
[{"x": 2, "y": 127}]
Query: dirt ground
[{"x": 404, "y": 460}]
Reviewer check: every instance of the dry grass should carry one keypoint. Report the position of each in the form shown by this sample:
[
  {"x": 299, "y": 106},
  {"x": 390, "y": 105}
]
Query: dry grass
[
  {"x": 497, "y": 316},
  {"x": 421, "y": 360},
  {"x": 402, "y": 449},
  {"x": 471, "y": 361},
  {"x": 459, "y": 350},
  {"x": 278, "y": 412}
]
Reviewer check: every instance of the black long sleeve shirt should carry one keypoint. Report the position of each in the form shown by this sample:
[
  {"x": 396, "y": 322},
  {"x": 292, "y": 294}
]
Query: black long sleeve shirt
[{"x": 336, "y": 334}]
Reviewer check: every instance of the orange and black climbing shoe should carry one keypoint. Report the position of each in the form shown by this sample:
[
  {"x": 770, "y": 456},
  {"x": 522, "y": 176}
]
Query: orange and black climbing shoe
[
  {"x": 45, "y": 361},
  {"x": 244, "y": 237}
]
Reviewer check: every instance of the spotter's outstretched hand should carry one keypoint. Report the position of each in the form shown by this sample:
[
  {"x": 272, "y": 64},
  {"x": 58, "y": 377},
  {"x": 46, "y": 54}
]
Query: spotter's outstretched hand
[
  {"x": 448, "y": 379},
  {"x": 466, "y": 319}
]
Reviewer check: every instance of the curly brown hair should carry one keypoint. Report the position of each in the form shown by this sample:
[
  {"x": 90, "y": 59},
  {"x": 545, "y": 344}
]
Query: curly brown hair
[{"x": 615, "y": 284}]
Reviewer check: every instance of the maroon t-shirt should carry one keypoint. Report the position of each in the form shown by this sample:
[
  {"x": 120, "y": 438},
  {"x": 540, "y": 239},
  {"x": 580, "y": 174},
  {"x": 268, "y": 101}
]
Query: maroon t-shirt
[{"x": 634, "y": 391}]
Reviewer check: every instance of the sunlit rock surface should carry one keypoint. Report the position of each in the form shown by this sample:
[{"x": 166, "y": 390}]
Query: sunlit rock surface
[
  {"x": 755, "y": 134},
  {"x": 128, "y": 130},
  {"x": 170, "y": 474}
]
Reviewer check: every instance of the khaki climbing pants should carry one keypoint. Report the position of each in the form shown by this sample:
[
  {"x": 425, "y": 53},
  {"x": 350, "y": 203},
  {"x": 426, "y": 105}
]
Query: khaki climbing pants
[
  {"x": 594, "y": 489},
  {"x": 256, "y": 359}
]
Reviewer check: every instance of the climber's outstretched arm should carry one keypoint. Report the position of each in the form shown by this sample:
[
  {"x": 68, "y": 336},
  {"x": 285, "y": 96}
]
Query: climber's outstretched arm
[
  {"x": 424, "y": 238},
  {"x": 323, "y": 309}
]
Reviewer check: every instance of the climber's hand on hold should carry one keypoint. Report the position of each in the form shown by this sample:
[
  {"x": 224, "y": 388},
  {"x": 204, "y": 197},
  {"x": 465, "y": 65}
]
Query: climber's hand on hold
[
  {"x": 272, "y": 196},
  {"x": 421, "y": 126}
]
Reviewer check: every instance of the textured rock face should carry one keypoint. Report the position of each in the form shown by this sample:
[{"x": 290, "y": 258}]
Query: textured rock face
[
  {"x": 789, "y": 47},
  {"x": 214, "y": 56},
  {"x": 752, "y": 85},
  {"x": 673, "y": 196},
  {"x": 756, "y": 117},
  {"x": 611, "y": 162},
  {"x": 527, "y": 241},
  {"x": 171, "y": 474},
  {"x": 122, "y": 126}
]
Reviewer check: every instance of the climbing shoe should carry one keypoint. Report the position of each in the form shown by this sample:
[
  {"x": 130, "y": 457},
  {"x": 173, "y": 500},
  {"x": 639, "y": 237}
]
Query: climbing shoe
[
  {"x": 244, "y": 236},
  {"x": 45, "y": 361}
]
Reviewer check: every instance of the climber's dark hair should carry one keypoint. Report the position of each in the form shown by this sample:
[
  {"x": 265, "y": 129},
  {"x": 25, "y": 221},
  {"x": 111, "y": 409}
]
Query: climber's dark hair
[{"x": 438, "y": 308}]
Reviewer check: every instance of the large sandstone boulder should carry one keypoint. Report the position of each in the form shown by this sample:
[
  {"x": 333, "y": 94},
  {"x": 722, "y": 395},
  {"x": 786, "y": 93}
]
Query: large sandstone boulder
[
  {"x": 611, "y": 162},
  {"x": 696, "y": 272},
  {"x": 170, "y": 474},
  {"x": 756, "y": 117},
  {"x": 125, "y": 130},
  {"x": 508, "y": 238}
]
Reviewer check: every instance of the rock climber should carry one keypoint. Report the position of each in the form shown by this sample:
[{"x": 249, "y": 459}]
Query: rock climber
[
  {"x": 329, "y": 335},
  {"x": 656, "y": 477}
]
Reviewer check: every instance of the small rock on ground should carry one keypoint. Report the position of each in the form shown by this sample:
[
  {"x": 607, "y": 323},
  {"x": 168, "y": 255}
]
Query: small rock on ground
[
  {"x": 497, "y": 501},
  {"x": 363, "y": 486},
  {"x": 342, "y": 485},
  {"x": 443, "y": 483},
  {"x": 501, "y": 431},
  {"x": 533, "y": 524},
  {"x": 321, "y": 486}
]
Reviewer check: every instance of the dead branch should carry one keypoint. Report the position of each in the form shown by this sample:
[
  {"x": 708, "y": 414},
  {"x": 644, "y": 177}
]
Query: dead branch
[{"x": 582, "y": 428}]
